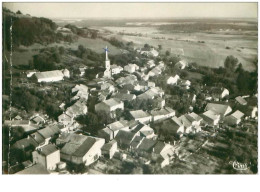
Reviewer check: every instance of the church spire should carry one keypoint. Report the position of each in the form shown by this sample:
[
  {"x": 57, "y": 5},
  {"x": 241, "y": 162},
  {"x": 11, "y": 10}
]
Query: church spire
[{"x": 106, "y": 50}]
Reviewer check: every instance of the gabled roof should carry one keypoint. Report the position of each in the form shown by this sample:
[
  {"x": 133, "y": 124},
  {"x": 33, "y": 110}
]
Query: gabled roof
[
  {"x": 136, "y": 141},
  {"x": 80, "y": 87},
  {"x": 47, "y": 149},
  {"x": 147, "y": 145},
  {"x": 139, "y": 114},
  {"x": 219, "y": 108},
  {"x": 176, "y": 121},
  {"x": 26, "y": 143},
  {"x": 77, "y": 147},
  {"x": 35, "y": 169},
  {"x": 49, "y": 131},
  {"x": 77, "y": 108},
  {"x": 211, "y": 115},
  {"x": 185, "y": 121},
  {"x": 124, "y": 137},
  {"x": 237, "y": 114},
  {"x": 109, "y": 145},
  {"x": 160, "y": 112},
  {"x": 112, "y": 102},
  {"x": 125, "y": 96},
  {"x": 193, "y": 117},
  {"x": 38, "y": 119},
  {"x": 48, "y": 74},
  {"x": 241, "y": 100},
  {"x": 116, "y": 126}
]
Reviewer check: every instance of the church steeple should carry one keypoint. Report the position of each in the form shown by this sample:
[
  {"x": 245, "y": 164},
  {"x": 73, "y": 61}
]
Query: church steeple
[
  {"x": 106, "y": 50},
  {"x": 107, "y": 72}
]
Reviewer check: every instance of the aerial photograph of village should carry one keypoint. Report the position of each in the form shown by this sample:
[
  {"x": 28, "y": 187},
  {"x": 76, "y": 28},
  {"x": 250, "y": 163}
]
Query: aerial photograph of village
[{"x": 129, "y": 88}]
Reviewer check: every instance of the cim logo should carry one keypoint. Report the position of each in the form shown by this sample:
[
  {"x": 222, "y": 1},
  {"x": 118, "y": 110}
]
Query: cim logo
[{"x": 239, "y": 166}]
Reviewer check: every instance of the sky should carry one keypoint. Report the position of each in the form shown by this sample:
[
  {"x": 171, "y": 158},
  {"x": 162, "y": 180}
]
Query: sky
[{"x": 135, "y": 10}]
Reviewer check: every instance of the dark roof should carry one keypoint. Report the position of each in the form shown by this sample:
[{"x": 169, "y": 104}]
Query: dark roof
[
  {"x": 147, "y": 145},
  {"x": 136, "y": 141},
  {"x": 48, "y": 149},
  {"x": 108, "y": 145},
  {"x": 35, "y": 169},
  {"x": 85, "y": 147},
  {"x": 25, "y": 143},
  {"x": 124, "y": 137}
]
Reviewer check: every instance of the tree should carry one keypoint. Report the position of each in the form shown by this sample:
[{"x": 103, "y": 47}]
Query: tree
[
  {"x": 160, "y": 47},
  {"x": 230, "y": 63},
  {"x": 147, "y": 47},
  {"x": 167, "y": 53},
  {"x": 19, "y": 12}
]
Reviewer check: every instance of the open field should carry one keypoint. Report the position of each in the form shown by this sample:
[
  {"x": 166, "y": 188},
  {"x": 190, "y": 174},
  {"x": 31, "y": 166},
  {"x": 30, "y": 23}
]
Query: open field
[{"x": 217, "y": 46}]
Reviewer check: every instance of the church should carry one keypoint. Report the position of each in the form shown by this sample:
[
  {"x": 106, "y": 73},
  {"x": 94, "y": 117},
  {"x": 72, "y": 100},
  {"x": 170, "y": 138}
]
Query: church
[{"x": 108, "y": 71}]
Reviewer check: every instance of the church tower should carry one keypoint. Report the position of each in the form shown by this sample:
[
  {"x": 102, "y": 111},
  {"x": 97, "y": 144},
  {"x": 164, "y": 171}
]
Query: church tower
[{"x": 107, "y": 72}]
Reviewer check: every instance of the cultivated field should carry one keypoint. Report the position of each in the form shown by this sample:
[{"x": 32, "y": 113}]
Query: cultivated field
[{"x": 211, "y": 52}]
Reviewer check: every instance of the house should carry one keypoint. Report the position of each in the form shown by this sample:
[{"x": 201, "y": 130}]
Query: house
[
  {"x": 129, "y": 79},
  {"x": 78, "y": 108},
  {"x": 106, "y": 133},
  {"x": 108, "y": 86},
  {"x": 124, "y": 138},
  {"x": 26, "y": 146},
  {"x": 125, "y": 97},
  {"x": 35, "y": 140},
  {"x": 49, "y": 76},
  {"x": 131, "y": 68},
  {"x": 173, "y": 126},
  {"x": 81, "y": 149},
  {"x": 152, "y": 53},
  {"x": 186, "y": 84},
  {"x": 136, "y": 142},
  {"x": 37, "y": 119},
  {"x": 82, "y": 71},
  {"x": 66, "y": 73},
  {"x": 143, "y": 131},
  {"x": 141, "y": 116},
  {"x": 159, "y": 102},
  {"x": 48, "y": 156},
  {"x": 155, "y": 72},
  {"x": 241, "y": 100},
  {"x": 35, "y": 169},
  {"x": 234, "y": 118},
  {"x": 65, "y": 119},
  {"x": 80, "y": 92},
  {"x": 194, "y": 118},
  {"x": 163, "y": 113},
  {"x": 30, "y": 73},
  {"x": 150, "y": 64},
  {"x": 173, "y": 80},
  {"x": 211, "y": 117},
  {"x": 146, "y": 146},
  {"x": 220, "y": 109},
  {"x": 43, "y": 136},
  {"x": 186, "y": 123},
  {"x": 109, "y": 105},
  {"x": 109, "y": 149},
  {"x": 62, "y": 106},
  {"x": 115, "y": 69},
  {"x": 27, "y": 125},
  {"x": 151, "y": 93},
  {"x": 163, "y": 152},
  {"x": 117, "y": 126},
  {"x": 219, "y": 93},
  {"x": 181, "y": 64}
]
